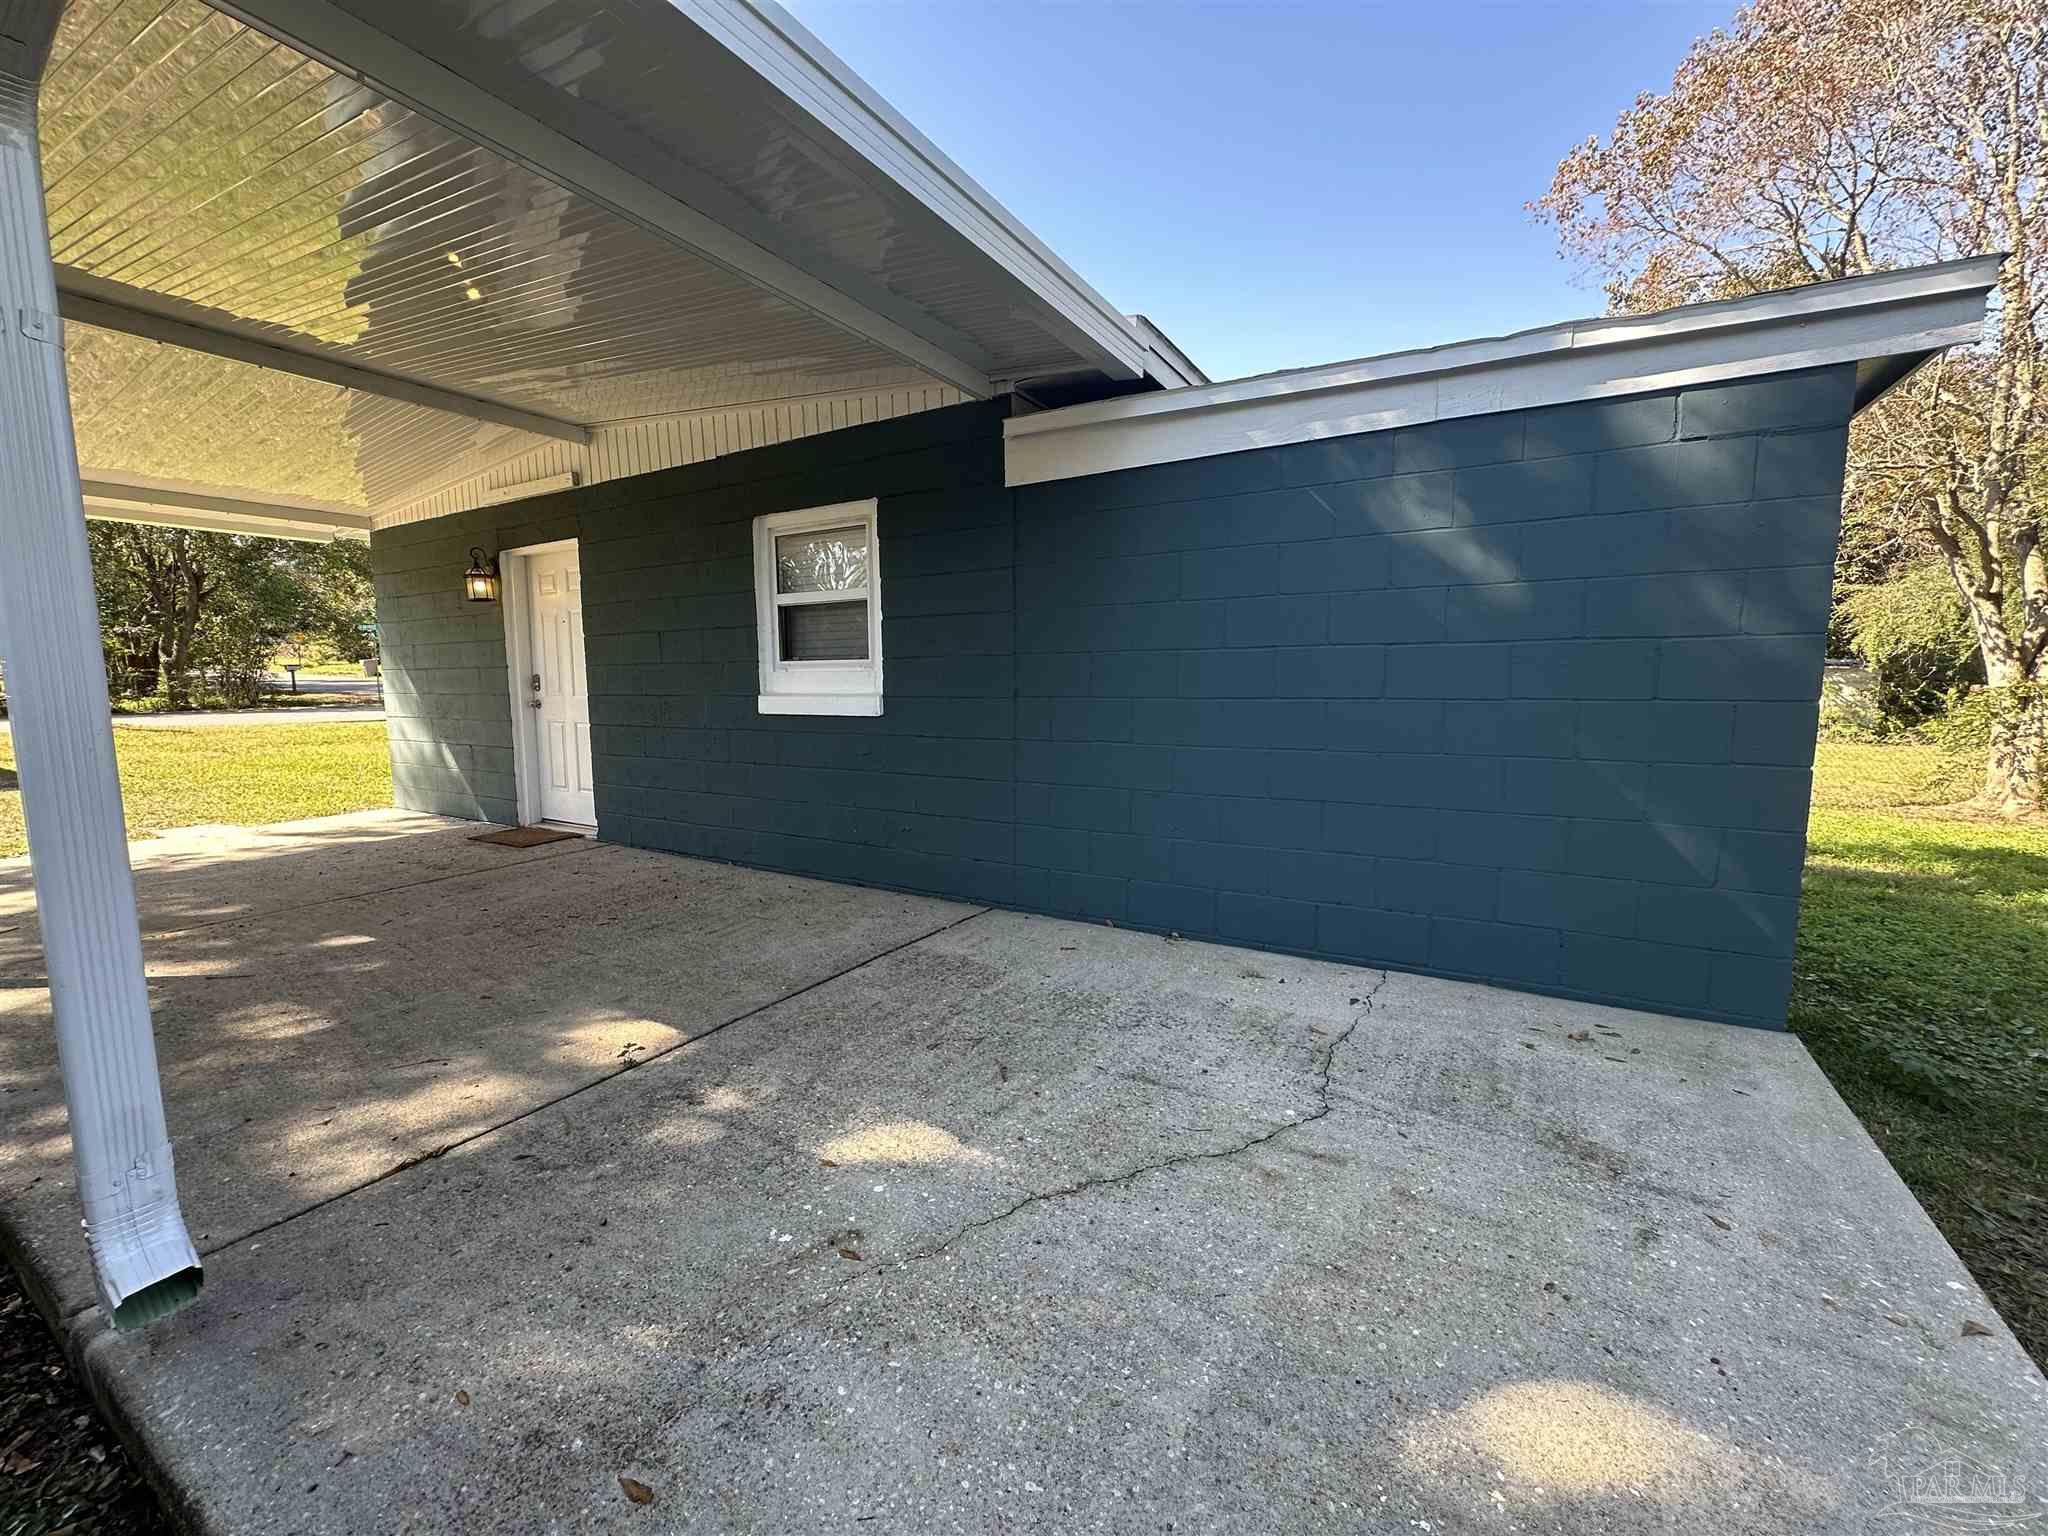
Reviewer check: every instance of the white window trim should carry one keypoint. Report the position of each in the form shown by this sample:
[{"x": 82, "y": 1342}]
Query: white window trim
[{"x": 816, "y": 687}]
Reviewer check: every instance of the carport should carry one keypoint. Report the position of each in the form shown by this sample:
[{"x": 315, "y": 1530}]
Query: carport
[
  {"x": 933, "y": 1214},
  {"x": 308, "y": 267}
]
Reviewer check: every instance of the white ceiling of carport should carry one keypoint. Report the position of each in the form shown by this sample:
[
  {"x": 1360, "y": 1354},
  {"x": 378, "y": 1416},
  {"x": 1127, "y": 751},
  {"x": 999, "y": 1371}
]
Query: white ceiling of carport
[{"x": 199, "y": 170}]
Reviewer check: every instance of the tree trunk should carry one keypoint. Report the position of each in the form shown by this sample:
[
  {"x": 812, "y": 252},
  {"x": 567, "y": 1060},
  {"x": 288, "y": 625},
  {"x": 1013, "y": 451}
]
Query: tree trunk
[
  {"x": 181, "y": 623},
  {"x": 2018, "y": 757}
]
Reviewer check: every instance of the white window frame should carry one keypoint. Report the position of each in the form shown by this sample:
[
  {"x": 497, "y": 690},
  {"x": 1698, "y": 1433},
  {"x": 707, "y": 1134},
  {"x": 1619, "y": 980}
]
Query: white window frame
[{"x": 816, "y": 687}]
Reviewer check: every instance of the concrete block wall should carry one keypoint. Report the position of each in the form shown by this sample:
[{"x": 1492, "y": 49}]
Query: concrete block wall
[
  {"x": 920, "y": 798},
  {"x": 1526, "y": 698}
]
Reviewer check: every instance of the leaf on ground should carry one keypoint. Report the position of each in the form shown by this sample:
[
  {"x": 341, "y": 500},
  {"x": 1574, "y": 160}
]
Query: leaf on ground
[
  {"x": 826, "y": 1162},
  {"x": 1721, "y": 1221},
  {"x": 1579, "y": 1035},
  {"x": 848, "y": 1253},
  {"x": 1972, "y": 1329},
  {"x": 635, "y": 1490},
  {"x": 462, "y": 1398}
]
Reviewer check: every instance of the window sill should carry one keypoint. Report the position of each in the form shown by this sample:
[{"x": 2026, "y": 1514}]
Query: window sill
[{"x": 819, "y": 703}]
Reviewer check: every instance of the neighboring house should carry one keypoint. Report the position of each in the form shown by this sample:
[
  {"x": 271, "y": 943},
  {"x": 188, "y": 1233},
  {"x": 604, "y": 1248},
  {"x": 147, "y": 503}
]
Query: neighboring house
[{"x": 840, "y": 527}]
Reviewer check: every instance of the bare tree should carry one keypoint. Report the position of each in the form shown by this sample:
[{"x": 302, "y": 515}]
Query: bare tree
[{"x": 1818, "y": 139}]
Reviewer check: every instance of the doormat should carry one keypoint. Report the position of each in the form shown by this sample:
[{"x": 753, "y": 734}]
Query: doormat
[{"x": 523, "y": 837}]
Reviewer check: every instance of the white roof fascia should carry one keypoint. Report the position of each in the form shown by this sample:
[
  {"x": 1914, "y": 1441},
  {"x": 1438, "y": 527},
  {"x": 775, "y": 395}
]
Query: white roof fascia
[
  {"x": 1915, "y": 311},
  {"x": 785, "y": 53},
  {"x": 125, "y": 498},
  {"x": 300, "y": 533},
  {"x": 1177, "y": 368}
]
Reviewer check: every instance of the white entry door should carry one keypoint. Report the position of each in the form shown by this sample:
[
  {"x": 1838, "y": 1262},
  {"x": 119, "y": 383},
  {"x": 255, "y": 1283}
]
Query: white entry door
[{"x": 557, "y": 693}]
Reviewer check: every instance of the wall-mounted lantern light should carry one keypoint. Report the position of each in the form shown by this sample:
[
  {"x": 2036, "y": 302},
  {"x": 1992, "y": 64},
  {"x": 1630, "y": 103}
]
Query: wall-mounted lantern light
[{"x": 480, "y": 585}]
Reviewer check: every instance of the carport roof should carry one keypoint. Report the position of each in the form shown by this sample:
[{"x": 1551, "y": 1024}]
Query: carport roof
[{"x": 314, "y": 254}]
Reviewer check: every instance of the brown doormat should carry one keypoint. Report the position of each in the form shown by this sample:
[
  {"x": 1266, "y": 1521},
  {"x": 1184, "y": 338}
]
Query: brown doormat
[{"x": 523, "y": 837}]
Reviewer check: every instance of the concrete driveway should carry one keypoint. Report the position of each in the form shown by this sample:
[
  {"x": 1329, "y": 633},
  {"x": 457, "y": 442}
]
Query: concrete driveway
[{"x": 801, "y": 1207}]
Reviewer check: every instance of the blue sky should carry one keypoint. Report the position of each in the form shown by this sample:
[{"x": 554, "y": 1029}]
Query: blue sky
[{"x": 1283, "y": 184}]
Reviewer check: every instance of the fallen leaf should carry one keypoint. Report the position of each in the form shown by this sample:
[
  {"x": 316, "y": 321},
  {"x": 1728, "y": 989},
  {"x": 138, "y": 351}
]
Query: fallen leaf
[
  {"x": 848, "y": 1253},
  {"x": 1972, "y": 1329},
  {"x": 826, "y": 1162},
  {"x": 635, "y": 1490},
  {"x": 1002, "y": 1073},
  {"x": 1721, "y": 1221},
  {"x": 1895, "y": 1320},
  {"x": 1528, "y": 1045},
  {"x": 462, "y": 1398},
  {"x": 1579, "y": 1035}
]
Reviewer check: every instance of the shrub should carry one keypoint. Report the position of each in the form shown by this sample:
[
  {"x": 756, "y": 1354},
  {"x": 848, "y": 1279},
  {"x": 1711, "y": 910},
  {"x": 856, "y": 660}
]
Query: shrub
[{"x": 1915, "y": 636}]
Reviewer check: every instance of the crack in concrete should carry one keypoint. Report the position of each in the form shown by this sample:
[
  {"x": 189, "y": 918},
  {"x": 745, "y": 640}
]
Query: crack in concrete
[
  {"x": 1325, "y": 1076},
  {"x": 1322, "y": 1108}
]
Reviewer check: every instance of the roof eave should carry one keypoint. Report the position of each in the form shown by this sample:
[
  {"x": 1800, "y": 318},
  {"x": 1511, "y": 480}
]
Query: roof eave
[{"x": 1908, "y": 315}]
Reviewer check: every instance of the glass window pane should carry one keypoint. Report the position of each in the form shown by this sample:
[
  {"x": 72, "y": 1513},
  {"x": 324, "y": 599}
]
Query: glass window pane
[
  {"x": 830, "y": 560},
  {"x": 825, "y": 631}
]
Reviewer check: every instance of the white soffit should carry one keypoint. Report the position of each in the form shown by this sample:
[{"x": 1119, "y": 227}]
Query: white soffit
[{"x": 1904, "y": 314}]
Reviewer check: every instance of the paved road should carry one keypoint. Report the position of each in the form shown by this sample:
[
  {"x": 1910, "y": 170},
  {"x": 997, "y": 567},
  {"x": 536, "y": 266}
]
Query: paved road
[
  {"x": 338, "y": 714},
  {"x": 365, "y": 685}
]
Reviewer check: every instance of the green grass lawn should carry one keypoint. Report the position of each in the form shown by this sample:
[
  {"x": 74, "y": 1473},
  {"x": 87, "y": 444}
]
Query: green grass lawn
[
  {"x": 245, "y": 774},
  {"x": 1922, "y": 988}
]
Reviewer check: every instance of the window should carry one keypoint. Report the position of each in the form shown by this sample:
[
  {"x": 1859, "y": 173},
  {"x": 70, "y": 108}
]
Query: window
[{"x": 818, "y": 597}]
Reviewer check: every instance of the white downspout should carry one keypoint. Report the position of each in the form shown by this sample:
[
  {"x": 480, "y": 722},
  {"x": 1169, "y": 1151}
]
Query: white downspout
[{"x": 143, "y": 1259}]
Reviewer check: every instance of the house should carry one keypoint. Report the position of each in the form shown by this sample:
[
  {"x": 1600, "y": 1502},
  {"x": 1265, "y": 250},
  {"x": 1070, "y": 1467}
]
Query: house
[
  {"x": 743, "y": 481},
  {"x": 1498, "y": 661}
]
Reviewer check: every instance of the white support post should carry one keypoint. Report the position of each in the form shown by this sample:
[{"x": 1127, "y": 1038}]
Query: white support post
[{"x": 143, "y": 1258}]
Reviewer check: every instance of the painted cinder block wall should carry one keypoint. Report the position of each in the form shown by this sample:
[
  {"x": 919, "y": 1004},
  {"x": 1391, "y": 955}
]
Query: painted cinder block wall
[
  {"x": 1525, "y": 698},
  {"x": 919, "y": 798}
]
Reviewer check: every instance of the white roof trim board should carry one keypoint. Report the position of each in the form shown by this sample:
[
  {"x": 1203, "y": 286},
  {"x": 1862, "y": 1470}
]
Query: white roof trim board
[
  {"x": 1905, "y": 314},
  {"x": 787, "y": 55}
]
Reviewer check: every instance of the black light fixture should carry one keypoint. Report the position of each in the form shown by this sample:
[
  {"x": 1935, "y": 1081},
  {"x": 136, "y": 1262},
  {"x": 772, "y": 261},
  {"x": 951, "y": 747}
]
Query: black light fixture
[{"x": 480, "y": 585}]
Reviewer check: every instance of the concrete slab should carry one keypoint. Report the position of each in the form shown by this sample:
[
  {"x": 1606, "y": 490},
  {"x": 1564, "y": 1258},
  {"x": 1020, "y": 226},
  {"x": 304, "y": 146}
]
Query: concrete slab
[
  {"x": 1027, "y": 1225},
  {"x": 340, "y": 997}
]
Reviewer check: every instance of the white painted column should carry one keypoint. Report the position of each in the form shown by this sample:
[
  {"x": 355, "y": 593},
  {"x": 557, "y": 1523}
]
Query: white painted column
[{"x": 64, "y": 750}]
